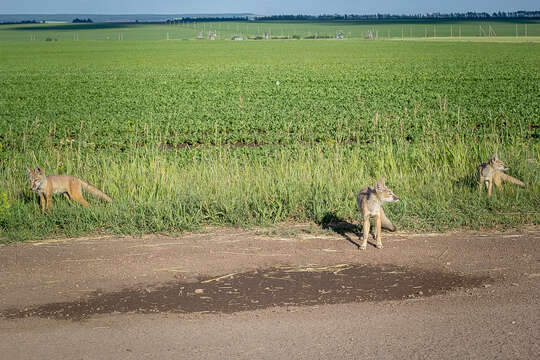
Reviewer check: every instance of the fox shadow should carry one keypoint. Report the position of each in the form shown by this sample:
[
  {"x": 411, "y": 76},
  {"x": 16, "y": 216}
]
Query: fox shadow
[
  {"x": 468, "y": 181},
  {"x": 331, "y": 221}
]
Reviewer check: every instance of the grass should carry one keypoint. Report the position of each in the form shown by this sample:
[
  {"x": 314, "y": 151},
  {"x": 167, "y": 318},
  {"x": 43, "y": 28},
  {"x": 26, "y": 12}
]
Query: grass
[
  {"x": 185, "y": 189},
  {"x": 186, "y": 134}
]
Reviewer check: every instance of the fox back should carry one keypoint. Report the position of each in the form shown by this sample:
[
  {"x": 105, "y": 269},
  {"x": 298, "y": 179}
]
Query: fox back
[
  {"x": 41, "y": 183},
  {"x": 487, "y": 170}
]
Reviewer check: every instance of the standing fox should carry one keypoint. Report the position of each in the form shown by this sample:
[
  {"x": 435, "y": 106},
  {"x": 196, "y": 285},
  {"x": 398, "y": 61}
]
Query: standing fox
[
  {"x": 46, "y": 186},
  {"x": 492, "y": 172},
  {"x": 370, "y": 202}
]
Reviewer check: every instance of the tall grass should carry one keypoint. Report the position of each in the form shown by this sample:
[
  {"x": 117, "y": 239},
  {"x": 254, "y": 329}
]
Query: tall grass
[{"x": 156, "y": 189}]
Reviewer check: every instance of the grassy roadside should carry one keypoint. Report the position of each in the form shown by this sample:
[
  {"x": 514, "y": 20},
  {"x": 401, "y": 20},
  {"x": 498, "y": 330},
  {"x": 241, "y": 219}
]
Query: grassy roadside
[{"x": 158, "y": 190}]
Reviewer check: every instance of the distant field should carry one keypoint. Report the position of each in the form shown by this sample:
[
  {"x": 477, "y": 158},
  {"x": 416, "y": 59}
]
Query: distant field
[
  {"x": 189, "y": 133},
  {"x": 288, "y": 29}
]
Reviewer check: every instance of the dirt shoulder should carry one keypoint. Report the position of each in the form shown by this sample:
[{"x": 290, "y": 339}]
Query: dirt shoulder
[
  {"x": 450, "y": 295},
  {"x": 67, "y": 269}
]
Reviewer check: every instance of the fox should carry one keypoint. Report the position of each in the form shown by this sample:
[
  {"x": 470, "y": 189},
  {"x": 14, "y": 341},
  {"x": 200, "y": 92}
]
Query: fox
[
  {"x": 46, "y": 186},
  {"x": 370, "y": 201},
  {"x": 492, "y": 173}
]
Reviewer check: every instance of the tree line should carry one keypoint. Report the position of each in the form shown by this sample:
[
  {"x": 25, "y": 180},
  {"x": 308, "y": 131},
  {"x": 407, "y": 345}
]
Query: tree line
[
  {"x": 77, "y": 21},
  {"x": 470, "y": 15}
]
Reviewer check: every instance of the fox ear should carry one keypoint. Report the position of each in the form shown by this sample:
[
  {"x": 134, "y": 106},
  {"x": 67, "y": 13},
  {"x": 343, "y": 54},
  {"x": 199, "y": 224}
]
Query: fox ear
[
  {"x": 29, "y": 171},
  {"x": 494, "y": 157},
  {"x": 380, "y": 183},
  {"x": 38, "y": 170}
]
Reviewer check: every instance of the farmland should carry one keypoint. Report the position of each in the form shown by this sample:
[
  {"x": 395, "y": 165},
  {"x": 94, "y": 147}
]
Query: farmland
[
  {"x": 184, "y": 134},
  {"x": 518, "y": 30}
]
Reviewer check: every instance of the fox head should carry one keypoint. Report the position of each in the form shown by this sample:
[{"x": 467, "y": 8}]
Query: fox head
[
  {"x": 36, "y": 177},
  {"x": 497, "y": 164},
  {"x": 384, "y": 193}
]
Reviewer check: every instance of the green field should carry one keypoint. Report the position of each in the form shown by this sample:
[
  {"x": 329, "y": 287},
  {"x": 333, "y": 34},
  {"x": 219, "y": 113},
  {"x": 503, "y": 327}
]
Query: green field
[
  {"x": 183, "y": 134},
  {"x": 380, "y": 30}
]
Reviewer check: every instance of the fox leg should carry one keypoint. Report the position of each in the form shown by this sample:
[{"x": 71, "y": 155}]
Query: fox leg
[
  {"x": 497, "y": 180},
  {"x": 48, "y": 198},
  {"x": 378, "y": 233},
  {"x": 365, "y": 235},
  {"x": 76, "y": 194},
  {"x": 490, "y": 187},
  {"x": 42, "y": 202}
]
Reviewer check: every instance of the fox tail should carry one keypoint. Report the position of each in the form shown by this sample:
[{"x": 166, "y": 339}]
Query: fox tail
[
  {"x": 511, "y": 179},
  {"x": 386, "y": 223},
  {"x": 95, "y": 191}
]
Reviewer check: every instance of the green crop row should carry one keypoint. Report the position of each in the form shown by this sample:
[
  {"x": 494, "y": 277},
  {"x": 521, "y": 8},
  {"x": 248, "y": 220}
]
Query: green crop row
[{"x": 181, "y": 96}]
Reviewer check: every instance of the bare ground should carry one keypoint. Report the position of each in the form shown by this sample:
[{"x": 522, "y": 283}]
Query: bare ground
[{"x": 294, "y": 291}]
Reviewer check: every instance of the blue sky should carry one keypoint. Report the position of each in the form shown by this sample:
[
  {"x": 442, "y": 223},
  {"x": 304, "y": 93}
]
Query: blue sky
[{"x": 262, "y": 7}]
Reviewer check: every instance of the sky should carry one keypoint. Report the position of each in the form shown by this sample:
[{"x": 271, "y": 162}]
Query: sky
[{"x": 259, "y": 7}]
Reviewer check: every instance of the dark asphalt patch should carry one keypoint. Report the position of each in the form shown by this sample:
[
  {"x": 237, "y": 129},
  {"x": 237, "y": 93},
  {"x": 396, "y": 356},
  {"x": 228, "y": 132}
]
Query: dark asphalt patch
[{"x": 283, "y": 286}]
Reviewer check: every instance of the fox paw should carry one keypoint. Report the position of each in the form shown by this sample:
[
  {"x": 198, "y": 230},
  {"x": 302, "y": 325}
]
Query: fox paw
[
  {"x": 362, "y": 247},
  {"x": 379, "y": 246}
]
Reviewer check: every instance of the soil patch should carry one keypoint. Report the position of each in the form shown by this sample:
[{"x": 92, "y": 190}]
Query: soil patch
[{"x": 277, "y": 286}]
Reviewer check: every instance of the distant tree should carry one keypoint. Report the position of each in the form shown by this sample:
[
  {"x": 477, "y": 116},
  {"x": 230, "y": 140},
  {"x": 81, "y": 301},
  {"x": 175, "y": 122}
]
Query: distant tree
[{"x": 77, "y": 20}]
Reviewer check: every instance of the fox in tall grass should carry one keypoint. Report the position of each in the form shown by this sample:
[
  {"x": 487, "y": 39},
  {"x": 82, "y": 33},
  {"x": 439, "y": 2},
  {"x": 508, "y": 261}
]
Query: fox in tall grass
[
  {"x": 492, "y": 173},
  {"x": 370, "y": 201},
  {"x": 46, "y": 186}
]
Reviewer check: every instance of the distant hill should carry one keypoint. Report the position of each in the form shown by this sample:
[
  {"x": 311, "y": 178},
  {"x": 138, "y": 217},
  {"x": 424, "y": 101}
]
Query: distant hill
[{"x": 16, "y": 18}]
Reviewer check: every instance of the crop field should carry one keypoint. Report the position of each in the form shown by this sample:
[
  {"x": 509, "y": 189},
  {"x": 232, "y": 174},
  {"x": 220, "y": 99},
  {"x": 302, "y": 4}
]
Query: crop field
[
  {"x": 185, "y": 134},
  {"x": 465, "y": 30}
]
